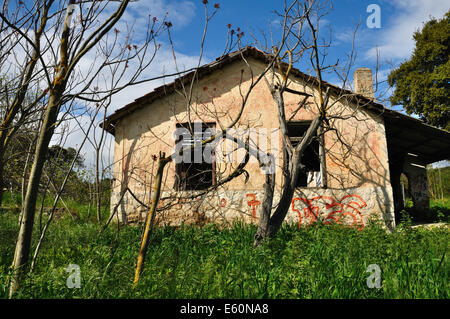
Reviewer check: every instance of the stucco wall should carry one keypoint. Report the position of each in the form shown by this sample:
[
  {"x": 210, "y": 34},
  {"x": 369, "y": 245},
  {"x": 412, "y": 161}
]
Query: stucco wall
[{"x": 356, "y": 152}]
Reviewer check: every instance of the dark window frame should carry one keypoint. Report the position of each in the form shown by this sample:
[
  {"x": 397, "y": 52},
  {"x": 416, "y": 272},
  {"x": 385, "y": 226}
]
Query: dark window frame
[{"x": 195, "y": 176}]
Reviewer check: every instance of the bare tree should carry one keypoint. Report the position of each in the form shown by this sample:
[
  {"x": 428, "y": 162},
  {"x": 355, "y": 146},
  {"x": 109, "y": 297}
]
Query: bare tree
[
  {"x": 54, "y": 43},
  {"x": 58, "y": 192},
  {"x": 301, "y": 40},
  {"x": 300, "y": 14}
]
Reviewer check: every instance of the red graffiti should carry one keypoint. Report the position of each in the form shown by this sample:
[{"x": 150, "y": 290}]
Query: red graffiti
[
  {"x": 253, "y": 203},
  {"x": 223, "y": 202},
  {"x": 348, "y": 206}
]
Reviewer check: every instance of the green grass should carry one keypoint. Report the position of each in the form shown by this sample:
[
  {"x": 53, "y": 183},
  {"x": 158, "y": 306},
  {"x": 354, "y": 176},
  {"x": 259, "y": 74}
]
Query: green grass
[
  {"x": 441, "y": 208},
  {"x": 189, "y": 262},
  {"x": 13, "y": 201},
  {"x": 439, "y": 211}
]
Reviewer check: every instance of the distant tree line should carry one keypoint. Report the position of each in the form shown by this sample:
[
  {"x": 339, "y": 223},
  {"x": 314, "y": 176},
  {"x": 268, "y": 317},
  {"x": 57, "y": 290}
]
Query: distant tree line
[
  {"x": 80, "y": 183},
  {"x": 439, "y": 182}
]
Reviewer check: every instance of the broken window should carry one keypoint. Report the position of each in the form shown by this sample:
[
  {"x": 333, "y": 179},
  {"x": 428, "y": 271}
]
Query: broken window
[
  {"x": 197, "y": 169},
  {"x": 310, "y": 176}
]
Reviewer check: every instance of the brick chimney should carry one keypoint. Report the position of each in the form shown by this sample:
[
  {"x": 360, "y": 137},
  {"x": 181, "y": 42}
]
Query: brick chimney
[{"x": 363, "y": 83}]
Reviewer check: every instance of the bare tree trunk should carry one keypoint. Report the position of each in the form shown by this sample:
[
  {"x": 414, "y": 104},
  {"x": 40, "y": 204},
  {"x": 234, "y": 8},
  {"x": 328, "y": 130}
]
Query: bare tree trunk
[
  {"x": 22, "y": 251},
  {"x": 323, "y": 161},
  {"x": 266, "y": 210},
  {"x": 1, "y": 177},
  {"x": 441, "y": 193},
  {"x": 23, "y": 244},
  {"x": 25, "y": 169},
  {"x": 90, "y": 202},
  {"x": 97, "y": 187},
  {"x": 269, "y": 226}
]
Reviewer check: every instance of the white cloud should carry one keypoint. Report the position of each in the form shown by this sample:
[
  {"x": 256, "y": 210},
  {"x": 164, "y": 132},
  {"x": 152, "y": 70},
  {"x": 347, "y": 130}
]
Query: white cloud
[
  {"x": 396, "y": 36},
  {"x": 180, "y": 13},
  {"x": 162, "y": 64},
  {"x": 344, "y": 36}
]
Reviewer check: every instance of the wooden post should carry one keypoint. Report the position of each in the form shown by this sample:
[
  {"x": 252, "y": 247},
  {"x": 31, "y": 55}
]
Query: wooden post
[{"x": 162, "y": 161}]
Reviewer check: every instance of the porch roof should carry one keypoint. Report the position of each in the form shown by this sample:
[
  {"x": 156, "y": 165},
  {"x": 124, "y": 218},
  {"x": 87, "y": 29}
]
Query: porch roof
[{"x": 406, "y": 134}]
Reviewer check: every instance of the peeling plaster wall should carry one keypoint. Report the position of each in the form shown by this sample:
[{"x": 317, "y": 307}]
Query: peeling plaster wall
[{"x": 356, "y": 158}]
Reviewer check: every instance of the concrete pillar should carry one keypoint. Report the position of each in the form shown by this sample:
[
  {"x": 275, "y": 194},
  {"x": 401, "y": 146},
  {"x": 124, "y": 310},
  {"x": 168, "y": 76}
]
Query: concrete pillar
[{"x": 418, "y": 182}]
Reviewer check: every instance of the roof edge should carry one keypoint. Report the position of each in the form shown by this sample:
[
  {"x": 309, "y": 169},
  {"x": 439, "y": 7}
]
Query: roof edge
[{"x": 249, "y": 51}]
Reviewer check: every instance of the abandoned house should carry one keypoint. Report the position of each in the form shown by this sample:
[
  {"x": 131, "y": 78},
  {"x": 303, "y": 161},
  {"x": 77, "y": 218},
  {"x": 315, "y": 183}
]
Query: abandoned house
[{"x": 365, "y": 152}]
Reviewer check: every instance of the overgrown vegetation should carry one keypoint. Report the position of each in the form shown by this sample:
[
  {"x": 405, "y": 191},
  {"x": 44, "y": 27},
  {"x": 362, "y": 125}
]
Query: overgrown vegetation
[
  {"x": 439, "y": 188},
  {"x": 190, "y": 262}
]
